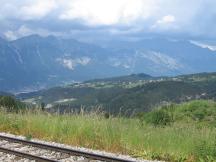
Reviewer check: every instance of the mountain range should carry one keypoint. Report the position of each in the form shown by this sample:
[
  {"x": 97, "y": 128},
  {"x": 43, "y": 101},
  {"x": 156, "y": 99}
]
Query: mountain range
[{"x": 35, "y": 62}]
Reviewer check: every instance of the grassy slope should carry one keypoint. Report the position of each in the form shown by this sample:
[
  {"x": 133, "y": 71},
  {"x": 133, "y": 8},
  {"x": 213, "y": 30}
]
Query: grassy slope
[{"x": 180, "y": 140}]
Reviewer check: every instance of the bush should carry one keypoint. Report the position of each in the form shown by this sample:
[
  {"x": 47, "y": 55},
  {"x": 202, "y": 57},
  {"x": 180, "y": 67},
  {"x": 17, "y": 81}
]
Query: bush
[
  {"x": 10, "y": 103},
  {"x": 159, "y": 117},
  {"x": 199, "y": 115},
  {"x": 106, "y": 115}
]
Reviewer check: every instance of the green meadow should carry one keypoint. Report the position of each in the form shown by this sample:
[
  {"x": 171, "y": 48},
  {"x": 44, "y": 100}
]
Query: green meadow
[{"x": 183, "y": 132}]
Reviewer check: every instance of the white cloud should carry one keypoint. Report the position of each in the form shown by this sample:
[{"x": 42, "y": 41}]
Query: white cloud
[
  {"x": 26, "y": 31},
  {"x": 68, "y": 64},
  {"x": 167, "y": 19},
  {"x": 37, "y": 10},
  {"x": 141, "y": 16},
  {"x": 10, "y": 35},
  {"x": 165, "y": 23},
  {"x": 27, "y": 10},
  {"x": 22, "y": 31},
  {"x": 108, "y": 12},
  {"x": 72, "y": 63}
]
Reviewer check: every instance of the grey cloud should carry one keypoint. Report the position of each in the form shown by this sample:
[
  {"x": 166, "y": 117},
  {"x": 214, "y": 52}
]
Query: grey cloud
[{"x": 189, "y": 18}]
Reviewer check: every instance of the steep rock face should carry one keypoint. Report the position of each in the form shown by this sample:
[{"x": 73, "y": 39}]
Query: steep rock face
[
  {"x": 10, "y": 64},
  {"x": 164, "y": 56},
  {"x": 35, "y": 62}
]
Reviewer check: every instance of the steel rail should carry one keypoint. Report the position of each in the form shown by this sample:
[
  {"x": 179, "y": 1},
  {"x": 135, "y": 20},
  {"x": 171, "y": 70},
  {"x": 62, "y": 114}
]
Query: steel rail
[
  {"x": 26, "y": 155},
  {"x": 74, "y": 152}
]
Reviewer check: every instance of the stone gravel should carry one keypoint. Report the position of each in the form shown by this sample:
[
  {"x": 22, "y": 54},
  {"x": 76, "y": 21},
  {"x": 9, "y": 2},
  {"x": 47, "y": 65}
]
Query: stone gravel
[{"x": 52, "y": 154}]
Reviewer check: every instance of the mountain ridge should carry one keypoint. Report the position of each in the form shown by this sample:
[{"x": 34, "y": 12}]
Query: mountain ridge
[{"x": 34, "y": 62}]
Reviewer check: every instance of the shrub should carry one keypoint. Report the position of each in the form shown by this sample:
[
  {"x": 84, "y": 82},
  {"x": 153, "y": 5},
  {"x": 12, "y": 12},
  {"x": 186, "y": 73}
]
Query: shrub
[
  {"x": 199, "y": 115},
  {"x": 159, "y": 118},
  {"x": 10, "y": 103},
  {"x": 106, "y": 115}
]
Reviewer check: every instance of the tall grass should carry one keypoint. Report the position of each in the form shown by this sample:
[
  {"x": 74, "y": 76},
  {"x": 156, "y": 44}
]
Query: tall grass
[{"x": 176, "y": 142}]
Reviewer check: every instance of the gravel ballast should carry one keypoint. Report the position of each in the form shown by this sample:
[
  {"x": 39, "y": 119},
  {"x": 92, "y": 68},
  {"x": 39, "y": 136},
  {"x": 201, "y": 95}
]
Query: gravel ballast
[{"x": 51, "y": 154}]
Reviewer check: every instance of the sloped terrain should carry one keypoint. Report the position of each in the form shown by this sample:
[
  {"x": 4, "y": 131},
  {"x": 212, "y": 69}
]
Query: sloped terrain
[
  {"x": 127, "y": 94},
  {"x": 34, "y": 62}
]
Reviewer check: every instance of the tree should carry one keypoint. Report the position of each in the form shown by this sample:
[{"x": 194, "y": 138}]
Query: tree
[
  {"x": 9, "y": 102},
  {"x": 42, "y": 106}
]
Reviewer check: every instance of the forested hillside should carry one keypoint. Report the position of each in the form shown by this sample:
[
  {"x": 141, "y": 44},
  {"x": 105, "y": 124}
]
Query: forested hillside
[{"x": 127, "y": 94}]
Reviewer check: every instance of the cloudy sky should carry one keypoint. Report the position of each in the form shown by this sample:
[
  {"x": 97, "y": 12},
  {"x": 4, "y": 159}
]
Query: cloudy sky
[{"x": 107, "y": 18}]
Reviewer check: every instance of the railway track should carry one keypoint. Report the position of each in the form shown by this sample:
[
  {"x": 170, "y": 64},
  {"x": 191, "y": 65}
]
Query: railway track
[{"x": 41, "y": 152}]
